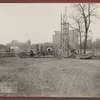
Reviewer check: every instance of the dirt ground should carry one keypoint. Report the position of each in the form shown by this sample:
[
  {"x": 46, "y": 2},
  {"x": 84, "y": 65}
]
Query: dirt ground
[{"x": 49, "y": 77}]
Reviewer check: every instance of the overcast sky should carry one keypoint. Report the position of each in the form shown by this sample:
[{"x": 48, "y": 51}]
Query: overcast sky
[{"x": 34, "y": 21}]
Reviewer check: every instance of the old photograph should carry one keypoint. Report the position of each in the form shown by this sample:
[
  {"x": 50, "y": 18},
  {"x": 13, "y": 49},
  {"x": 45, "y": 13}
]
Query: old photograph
[{"x": 49, "y": 50}]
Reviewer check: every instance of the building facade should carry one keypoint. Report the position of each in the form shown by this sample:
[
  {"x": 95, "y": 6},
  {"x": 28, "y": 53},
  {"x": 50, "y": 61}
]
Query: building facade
[{"x": 73, "y": 38}]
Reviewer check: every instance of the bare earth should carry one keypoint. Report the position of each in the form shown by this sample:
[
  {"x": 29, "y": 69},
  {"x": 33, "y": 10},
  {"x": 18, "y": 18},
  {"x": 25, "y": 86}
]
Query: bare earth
[{"x": 49, "y": 77}]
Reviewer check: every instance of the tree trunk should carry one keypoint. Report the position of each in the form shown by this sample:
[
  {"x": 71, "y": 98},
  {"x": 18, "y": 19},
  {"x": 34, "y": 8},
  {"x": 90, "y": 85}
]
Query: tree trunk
[
  {"x": 85, "y": 42},
  {"x": 80, "y": 44}
]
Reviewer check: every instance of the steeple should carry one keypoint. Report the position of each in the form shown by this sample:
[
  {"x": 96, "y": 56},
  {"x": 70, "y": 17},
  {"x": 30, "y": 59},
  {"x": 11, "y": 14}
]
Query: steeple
[
  {"x": 61, "y": 21},
  {"x": 65, "y": 15}
]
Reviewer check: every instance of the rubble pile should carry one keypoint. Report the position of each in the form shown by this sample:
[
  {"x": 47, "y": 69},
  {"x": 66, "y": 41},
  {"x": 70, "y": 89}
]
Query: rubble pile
[{"x": 7, "y": 54}]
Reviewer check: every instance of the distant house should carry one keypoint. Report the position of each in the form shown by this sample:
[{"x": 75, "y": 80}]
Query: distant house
[
  {"x": 19, "y": 46},
  {"x": 14, "y": 49}
]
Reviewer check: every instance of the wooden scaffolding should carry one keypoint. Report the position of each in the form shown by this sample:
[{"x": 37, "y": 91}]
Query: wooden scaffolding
[{"x": 64, "y": 39}]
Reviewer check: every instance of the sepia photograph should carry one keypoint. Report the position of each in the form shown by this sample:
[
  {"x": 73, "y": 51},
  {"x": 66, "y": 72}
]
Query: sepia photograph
[{"x": 49, "y": 49}]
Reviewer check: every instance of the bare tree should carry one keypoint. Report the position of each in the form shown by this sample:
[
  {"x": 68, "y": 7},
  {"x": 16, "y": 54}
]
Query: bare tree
[
  {"x": 85, "y": 12},
  {"x": 79, "y": 26}
]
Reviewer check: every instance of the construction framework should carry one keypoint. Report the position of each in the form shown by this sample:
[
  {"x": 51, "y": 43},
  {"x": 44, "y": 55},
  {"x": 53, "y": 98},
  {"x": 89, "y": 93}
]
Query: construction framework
[{"x": 64, "y": 39}]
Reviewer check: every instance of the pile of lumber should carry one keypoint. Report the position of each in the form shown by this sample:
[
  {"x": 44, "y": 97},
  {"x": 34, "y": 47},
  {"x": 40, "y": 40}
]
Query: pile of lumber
[{"x": 90, "y": 56}]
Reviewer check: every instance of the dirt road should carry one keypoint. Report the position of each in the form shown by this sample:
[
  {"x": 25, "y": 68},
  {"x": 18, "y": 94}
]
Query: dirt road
[{"x": 49, "y": 77}]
